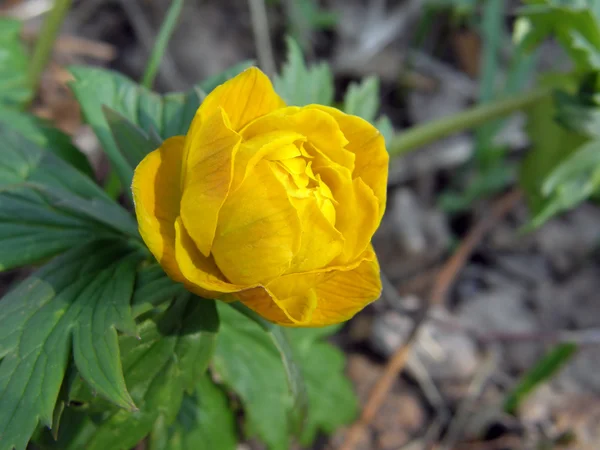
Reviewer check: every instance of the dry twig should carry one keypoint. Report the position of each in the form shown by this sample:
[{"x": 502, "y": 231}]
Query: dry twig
[{"x": 443, "y": 282}]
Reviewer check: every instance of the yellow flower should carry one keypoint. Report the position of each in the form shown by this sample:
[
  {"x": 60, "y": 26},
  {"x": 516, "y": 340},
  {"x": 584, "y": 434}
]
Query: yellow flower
[{"x": 272, "y": 205}]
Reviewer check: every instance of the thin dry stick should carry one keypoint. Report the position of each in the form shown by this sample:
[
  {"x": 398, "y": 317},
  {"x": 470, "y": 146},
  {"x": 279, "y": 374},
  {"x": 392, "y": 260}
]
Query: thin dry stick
[{"x": 444, "y": 280}]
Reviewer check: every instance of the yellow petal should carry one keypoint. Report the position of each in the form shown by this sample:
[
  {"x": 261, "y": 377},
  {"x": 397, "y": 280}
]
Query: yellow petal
[
  {"x": 207, "y": 177},
  {"x": 321, "y": 241},
  {"x": 201, "y": 274},
  {"x": 318, "y": 298},
  {"x": 357, "y": 212},
  {"x": 367, "y": 143},
  {"x": 320, "y": 129},
  {"x": 156, "y": 194},
  {"x": 259, "y": 230},
  {"x": 244, "y": 98}
]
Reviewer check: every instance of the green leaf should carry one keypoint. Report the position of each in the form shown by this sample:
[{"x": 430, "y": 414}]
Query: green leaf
[
  {"x": 385, "y": 127},
  {"x": 153, "y": 287},
  {"x": 14, "y": 63},
  {"x": 551, "y": 144},
  {"x": 46, "y": 137},
  {"x": 46, "y": 205},
  {"x": 543, "y": 370},
  {"x": 576, "y": 24},
  {"x": 204, "y": 421},
  {"x": 300, "y": 85},
  {"x": 168, "y": 358},
  {"x": 246, "y": 352},
  {"x": 165, "y": 116},
  {"x": 133, "y": 142},
  {"x": 78, "y": 300},
  {"x": 574, "y": 180},
  {"x": 363, "y": 99}
]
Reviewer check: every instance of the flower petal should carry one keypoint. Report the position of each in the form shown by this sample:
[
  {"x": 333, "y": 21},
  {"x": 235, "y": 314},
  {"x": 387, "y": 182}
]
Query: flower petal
[
  {"x": 367, "y": 143},
  {"x": 357, "y": 212},
  {"x": 321, "y": 242},
  {"x": 318, "y": 298},
  {"x": 201, "y": 274},
  {"x": 320, "y": 129},
  {"x": 244, "y": 98},
  {"x": 207, "y": 177},
  {"x": 156, "y": 194},
  {"x": 259, "y": 230}
]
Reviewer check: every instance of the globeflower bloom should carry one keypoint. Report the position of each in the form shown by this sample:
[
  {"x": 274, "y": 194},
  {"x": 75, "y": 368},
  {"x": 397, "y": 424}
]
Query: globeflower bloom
[{"x": 269, "y": 204}]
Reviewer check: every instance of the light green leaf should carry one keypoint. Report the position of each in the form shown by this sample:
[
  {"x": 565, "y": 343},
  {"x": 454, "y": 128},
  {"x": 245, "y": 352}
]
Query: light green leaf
[
  {"x": 81, "y": 297},
  {"x": 165, "y": 116},
  {"x": 204, "y": 421},
  {"x": 362, "y": 99},
  {"x": 46, "y": 205},
  {"x": 14, "y": 64},
  {"x": 300, "y": 85},
  {"x": 246, "y": 351},
  {"x": 46, "y": 137},
  {"x": 576, "y": 24},
  {"x": 551, "y": 144},
  {"x": 168, "y": 358},
  {"x": 574, "y": 180},
  {"x": 385, "y": 127}
]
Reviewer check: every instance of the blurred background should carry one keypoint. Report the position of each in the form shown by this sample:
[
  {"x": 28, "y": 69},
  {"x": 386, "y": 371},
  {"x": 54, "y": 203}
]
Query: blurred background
[{"x": 508, "y": 299}]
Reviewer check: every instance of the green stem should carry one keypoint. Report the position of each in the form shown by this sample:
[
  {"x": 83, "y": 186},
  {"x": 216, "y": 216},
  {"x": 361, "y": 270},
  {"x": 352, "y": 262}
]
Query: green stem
[
  {"x": 45, "y": 42},
  {"x": 432, "y": 131},
  {"x": 165, "y": 33}
]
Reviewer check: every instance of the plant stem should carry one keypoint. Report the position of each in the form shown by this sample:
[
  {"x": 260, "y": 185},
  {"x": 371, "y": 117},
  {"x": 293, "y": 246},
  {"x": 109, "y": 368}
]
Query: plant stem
[
  {"x": 432, "y": 131},
  {"x": 162, "y": 40},
  {"x": 260, "y": 26},
  {"x": 45, "y": 42}
]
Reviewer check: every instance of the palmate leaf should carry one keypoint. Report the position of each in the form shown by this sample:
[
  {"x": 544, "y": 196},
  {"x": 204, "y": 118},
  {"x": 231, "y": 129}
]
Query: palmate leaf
[
  {"x": 45, "y": 136},
  {"x": 46, "y": 205},
  {"x": 204, "y": 421},
  {"x": 169, "y": 357},
  {"x": 158, "y": 117},
  {"x": 250, "y": 364},
  {"x": 77, "y": 300},
  {"x": 14, "y": 63},
  {"x": 300, "y": 85}
]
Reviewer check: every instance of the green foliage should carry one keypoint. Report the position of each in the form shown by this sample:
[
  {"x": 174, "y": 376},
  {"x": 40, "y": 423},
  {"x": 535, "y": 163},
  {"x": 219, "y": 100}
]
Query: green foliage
[
  {"x": 14, "y": 63},
  {"x": 300, "y": 85},
  {"x": 171, "y": 353},
  {"x": 79, "y": 300},
  {"x": 205, "y": 421},
  {"x": 543, "y": 370},
  {"x": 46, "y": 205},
  {"x": 164, "y": 116},
  {"x": 248, "y": 363},
  {"x": 46, "y": 137},
  {"x": 576, "y": 24}
]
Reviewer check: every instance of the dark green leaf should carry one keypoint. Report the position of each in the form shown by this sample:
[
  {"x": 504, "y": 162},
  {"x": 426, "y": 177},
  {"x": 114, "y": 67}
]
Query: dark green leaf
[
  {"x": 246, "y": 352},
  {"x": 152, "y": 287},
  {"x": 167, "y": 116},
  {"x": 362, "y": 99},
  {"x": 14, "y": 64},
  {"x": 46, "y": 137},
  {"x": 46, "y": 205},
  {"x": 167, "y": 359},
  {"x": 82, "y": 296},
  {"x": 204, "y": 421},
  {"x": 133, "y": 142},
  {"x": 543, "y": 370},
  {"x": 300, "y": 85}
]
